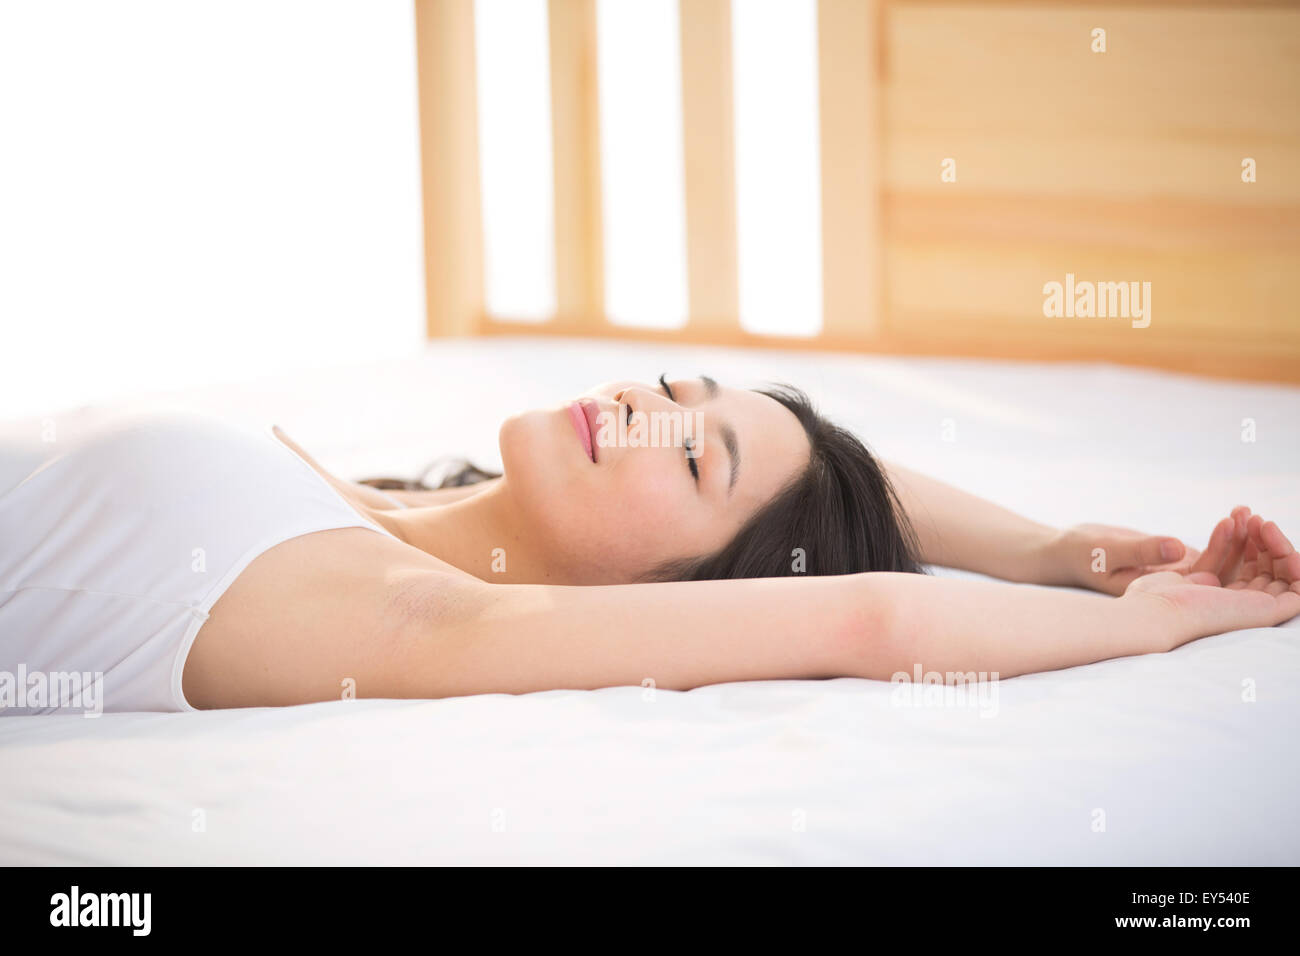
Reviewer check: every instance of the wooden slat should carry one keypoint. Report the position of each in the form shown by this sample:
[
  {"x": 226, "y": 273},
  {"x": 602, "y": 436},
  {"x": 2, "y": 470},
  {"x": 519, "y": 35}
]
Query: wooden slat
[
  {"x": 575, "y": 132},
  {"x": 1170, "y": 110},
  {"x": 453, "y": 217},
  {"x": 1196, "y": 293},
  {"x": 852, "y": 260},
  {"x": 1166, "y": 224},
  {"x": 709, "y": 146}
]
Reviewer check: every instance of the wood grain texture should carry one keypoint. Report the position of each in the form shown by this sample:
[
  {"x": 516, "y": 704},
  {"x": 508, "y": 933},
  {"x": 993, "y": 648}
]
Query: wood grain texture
[{"x": 1117, "y": 166}]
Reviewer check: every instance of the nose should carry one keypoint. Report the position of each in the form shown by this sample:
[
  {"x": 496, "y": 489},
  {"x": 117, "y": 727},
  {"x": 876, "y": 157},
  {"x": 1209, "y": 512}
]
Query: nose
[{"x": 643, "y": 398}]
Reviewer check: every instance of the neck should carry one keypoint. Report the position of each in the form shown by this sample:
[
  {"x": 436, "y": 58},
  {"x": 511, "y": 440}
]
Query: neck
[{"x": 480, "y": 534}]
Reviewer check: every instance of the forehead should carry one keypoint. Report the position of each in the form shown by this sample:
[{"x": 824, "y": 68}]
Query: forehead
[{"x": 771, "y": 443}]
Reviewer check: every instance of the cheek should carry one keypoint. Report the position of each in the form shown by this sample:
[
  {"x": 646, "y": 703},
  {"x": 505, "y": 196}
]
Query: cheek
[
  {"x": 625, "y": 518},
  {"x": 628, "y": 518},
  {"x": 644, "y": 516}
]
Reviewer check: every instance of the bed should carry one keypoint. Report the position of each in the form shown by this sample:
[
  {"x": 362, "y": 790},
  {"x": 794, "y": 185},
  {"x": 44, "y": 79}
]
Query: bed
[{"x": 1170, "y": 759}]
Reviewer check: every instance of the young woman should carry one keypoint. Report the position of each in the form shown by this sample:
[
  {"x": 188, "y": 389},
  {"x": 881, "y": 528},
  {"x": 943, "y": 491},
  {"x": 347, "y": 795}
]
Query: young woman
[{"x": 197, "y": 565}]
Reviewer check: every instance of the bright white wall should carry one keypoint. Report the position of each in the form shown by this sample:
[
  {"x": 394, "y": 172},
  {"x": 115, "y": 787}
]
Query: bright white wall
[
  {"x": 643, "y": 177},
  {"x": 778, "y": 166},
  {"x": 513, "y": 80},
  {"x": 203, "y": 191}
]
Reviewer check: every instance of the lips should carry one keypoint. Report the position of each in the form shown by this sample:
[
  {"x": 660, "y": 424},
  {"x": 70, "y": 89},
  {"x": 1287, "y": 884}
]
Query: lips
[
  {"x": 591, "y": 411},
  {"x": 583, "y": 415}
]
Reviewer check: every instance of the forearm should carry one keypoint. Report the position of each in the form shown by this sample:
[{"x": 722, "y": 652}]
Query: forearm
[
  {"x": 956, "y": 529},
  {"x": 949, "y": 625}
]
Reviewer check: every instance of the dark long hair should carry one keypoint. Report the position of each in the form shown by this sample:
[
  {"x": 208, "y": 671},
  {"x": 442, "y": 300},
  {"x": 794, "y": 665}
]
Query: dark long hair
[
  {"x": 839, "y": 515},
  {"x": 439, "y": 473}
]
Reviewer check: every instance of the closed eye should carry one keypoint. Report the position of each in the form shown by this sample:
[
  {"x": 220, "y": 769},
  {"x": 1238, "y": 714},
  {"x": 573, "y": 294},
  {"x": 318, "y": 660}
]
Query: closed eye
[{"x": 688, "y": 443}]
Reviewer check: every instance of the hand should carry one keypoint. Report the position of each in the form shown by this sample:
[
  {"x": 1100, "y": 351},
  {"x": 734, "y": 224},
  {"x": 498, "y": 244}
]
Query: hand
[
  {"x": 1245, "y": 551},
  {"x": 1108, "y": 559},
  {"x": 1238, "y": 582}
]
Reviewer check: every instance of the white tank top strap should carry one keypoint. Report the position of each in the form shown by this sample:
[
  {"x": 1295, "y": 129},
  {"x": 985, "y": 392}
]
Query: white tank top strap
[{"x": 269, "y": 430}]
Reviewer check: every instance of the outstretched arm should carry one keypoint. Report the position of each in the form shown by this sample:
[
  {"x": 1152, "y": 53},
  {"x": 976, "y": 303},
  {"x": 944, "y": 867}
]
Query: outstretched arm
[
  {"x": 956, "y": 529},
  {"x": 521, "y": 638}
]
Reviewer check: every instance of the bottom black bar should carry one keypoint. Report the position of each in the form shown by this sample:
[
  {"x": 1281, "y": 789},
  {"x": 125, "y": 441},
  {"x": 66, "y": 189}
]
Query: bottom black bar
[{"x": 331, "y": 904}]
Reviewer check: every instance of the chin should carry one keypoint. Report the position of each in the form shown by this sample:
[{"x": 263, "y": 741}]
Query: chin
[
  {"x": 527, "y": 443},
  {"x": 533, "y": 453},
  {"x": 524, "y": 438}
]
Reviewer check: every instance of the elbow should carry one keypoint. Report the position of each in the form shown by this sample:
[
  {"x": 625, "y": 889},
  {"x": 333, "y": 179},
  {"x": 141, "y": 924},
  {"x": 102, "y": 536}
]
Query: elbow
[{"x": 868, "y": 642}]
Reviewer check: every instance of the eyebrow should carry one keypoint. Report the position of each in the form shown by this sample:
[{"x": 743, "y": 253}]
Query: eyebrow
[
  {"x": 733, "y": 450},
  {"x": 728, "y": 435}
]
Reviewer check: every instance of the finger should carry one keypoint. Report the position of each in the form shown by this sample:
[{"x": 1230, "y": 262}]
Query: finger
[
  {"x": 1263, "y": 559},
  {"x": 1190, "y": 557},
  {"x": 1240, "y": 535},
  {"x": 1216, "y": 550},
  {"x": 1204, "y": 577},
  {"x": 1287, "y": 606},
  {"x": 1274, "y": 539},
  {"x": 1167, "y": 550},
  {"x": 1277, "y": 586},
  {"x": 1259, "y": 582},
  {"x": 1287, "y": 569},
  {"x": 1145, "y": 551},
  {"x": 1249, "y": 561},
  {"x": 1286, "y": 561}
]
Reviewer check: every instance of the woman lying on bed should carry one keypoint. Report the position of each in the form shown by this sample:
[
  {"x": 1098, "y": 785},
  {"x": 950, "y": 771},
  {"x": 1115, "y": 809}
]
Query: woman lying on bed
[{"x": 766, "y": 543}]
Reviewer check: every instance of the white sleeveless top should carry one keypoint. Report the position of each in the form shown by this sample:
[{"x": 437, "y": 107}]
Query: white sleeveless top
[{"x": 115, "y": 546}]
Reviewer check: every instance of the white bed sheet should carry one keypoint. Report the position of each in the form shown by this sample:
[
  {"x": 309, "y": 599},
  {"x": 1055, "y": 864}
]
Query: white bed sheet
[{"x": 1184, "y": 768}]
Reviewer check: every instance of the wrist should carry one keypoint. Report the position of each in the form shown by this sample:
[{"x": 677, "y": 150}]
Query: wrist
[
  {"x": 1068, "y": 560},
  {"x": 1150, "y": 621},
  {"x": 1037, "y": 558}
]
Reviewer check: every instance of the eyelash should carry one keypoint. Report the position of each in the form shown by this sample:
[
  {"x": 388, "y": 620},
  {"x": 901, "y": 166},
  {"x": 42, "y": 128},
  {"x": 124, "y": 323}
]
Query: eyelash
[{"x": 690, "y": 445}]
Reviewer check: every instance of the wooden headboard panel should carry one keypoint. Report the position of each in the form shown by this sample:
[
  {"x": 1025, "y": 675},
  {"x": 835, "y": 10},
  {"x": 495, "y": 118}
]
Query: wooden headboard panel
[{"x": 971, "y": 154}]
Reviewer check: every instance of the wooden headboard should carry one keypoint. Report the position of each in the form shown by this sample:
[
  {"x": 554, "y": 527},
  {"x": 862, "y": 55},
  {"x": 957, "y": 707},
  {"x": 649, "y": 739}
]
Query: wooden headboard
[{"x": 971, "y": 154}]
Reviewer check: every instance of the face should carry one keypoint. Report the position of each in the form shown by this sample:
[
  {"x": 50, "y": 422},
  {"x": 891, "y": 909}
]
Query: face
[{"x": 633, "y": 474}]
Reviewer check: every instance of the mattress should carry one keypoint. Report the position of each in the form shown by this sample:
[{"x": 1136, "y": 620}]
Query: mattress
[{"x": 1163, "y": 759}]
